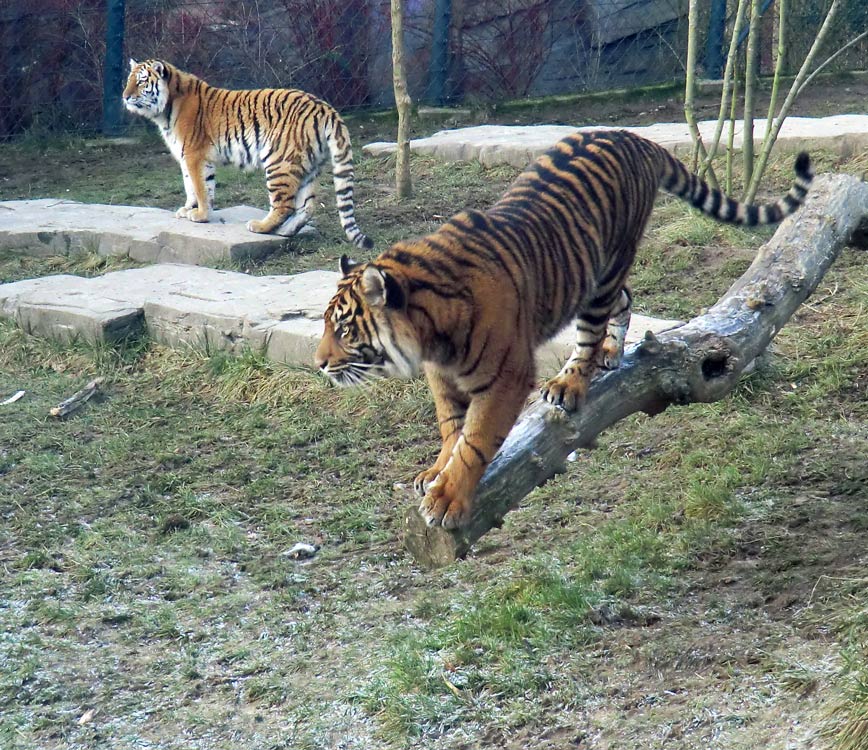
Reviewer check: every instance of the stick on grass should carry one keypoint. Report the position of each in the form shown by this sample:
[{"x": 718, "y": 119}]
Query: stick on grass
[{"x": 77, "y": 399}]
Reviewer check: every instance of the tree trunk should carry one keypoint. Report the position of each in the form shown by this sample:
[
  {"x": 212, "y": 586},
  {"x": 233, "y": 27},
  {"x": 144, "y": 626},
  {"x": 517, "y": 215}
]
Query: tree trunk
[
  {"x": 751, "y": 78},
  {"x": 402, "y": 102},
  {"x": 689, "y": 90},
  {"x": 714, "y": 39},
  {"x": 699, "y": 361}
]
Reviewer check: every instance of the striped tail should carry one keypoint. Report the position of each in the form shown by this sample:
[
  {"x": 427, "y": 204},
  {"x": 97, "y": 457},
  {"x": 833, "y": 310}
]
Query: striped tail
[
  {"x": 675, "y": 179},
  {"x": 342, "y": 168}
]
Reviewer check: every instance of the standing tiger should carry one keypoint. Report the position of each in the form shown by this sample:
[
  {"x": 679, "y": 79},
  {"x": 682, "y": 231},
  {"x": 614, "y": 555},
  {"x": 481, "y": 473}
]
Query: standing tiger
[
  {"x": 471, "y": 302},
  {"x": 284, "y": 131}
]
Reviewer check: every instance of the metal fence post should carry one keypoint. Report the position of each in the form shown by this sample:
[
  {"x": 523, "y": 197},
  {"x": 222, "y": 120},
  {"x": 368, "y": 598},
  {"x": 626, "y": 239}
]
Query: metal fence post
[
  {"x": 438, "y": 69},
  {"x": 714, "y": 42},
  {"x": 113, "y": 68}
]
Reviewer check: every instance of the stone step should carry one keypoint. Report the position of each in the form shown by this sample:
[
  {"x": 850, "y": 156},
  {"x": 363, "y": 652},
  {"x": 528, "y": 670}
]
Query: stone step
[
  {"x": 181, "y": 306},
  {"x": 207, "y": 310},
  {"x": 519, "y": 145},
  {"x": 50, "y": 226}
]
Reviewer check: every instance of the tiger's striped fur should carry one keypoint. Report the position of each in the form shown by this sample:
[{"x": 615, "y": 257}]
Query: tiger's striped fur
[
  {"x": 471, "y": 302},
  {"x": 286, "y": 132}
]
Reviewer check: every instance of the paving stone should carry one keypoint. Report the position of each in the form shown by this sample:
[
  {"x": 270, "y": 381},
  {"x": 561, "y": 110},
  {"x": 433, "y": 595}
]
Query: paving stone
[
  {"x": 234, "y": 312},
  {"x": 205, "y": 309},
  {"x": 181, "y": 305},
  {"x": 51, "y": 226},
  {"x": 67, "y": 308},
  {"x": 518, "y": 145}
]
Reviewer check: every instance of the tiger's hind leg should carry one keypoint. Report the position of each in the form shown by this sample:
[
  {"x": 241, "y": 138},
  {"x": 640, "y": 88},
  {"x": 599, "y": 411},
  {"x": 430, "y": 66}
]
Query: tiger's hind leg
[
  {"x": 283, "y": 181},
  {"x": 305, "y": 202},
  {"x": 612, "y": 350},
  {"x": 600, "y": 332}
]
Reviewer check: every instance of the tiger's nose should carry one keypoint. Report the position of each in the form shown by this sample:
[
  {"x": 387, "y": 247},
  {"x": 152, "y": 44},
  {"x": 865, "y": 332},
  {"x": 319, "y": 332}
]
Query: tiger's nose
[{"x": 320, "y": 362}]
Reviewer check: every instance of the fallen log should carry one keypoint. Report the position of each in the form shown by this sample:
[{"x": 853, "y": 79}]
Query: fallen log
[{"x": 700, "y": 361}]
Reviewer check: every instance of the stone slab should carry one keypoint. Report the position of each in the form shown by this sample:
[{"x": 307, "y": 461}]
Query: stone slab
[
  {"x": 50, "y": 226},
  {"x": 67, "y": 308},
  {"x": 181, "y": 306},
  {"x": 205, "y": 309},
  {"x": 518, "y": 145}
]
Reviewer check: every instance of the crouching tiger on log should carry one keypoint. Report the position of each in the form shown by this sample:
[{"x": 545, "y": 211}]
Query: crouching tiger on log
[
  {"x": 286, "y": 132},
  {"x": 470, "y": 303}
]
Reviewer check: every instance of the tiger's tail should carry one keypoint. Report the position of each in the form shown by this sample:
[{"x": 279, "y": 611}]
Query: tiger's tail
[
  {"x": 338, "y": 138},
  {"x": 677, "y": 180}
]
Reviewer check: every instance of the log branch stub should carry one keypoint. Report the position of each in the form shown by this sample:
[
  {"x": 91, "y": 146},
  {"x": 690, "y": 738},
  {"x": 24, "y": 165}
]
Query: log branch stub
[{"x": 701, "y": 360}]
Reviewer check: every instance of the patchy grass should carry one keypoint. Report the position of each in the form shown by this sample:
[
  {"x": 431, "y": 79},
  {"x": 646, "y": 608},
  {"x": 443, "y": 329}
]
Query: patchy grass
[{"x": 695, "y": 581}]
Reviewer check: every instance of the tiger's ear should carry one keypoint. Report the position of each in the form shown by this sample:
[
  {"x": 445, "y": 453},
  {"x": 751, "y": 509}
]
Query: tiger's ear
[
  {"x": 381, "y": 289},
  {"x": 347, "y": 265},
  {"x": 159, "y": 68},
  {"x": 133, "y": 64}
]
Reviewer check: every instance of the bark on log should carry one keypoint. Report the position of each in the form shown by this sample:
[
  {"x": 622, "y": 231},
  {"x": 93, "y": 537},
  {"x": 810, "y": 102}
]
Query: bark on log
[{"x": 699, "y": 361}]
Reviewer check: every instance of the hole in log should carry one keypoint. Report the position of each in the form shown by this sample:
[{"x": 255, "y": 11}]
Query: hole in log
[{"x": 715, "y": 366}]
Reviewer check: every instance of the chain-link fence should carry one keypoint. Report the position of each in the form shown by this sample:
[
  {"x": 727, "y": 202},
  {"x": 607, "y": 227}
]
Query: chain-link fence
[{"x": 55, "y": 65}]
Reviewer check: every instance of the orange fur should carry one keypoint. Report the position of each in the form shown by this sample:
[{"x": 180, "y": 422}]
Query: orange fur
[
  {"x": 470, "y": 303},
  {"x": 286, "y": 132}
]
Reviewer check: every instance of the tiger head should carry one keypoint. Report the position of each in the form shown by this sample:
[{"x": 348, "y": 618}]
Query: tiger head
[
  {"x": 368, "y": 333},
  {"x": 147, "y": 89}
]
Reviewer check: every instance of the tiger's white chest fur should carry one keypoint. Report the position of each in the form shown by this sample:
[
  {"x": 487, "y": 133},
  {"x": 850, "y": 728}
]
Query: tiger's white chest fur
[
  {"x": 172, "y": 141},
  {"x": 245, "y": 152}
]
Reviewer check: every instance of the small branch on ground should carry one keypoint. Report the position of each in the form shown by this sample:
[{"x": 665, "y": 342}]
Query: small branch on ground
[
  {"x": 77, "y": 399},
  {"x": 13, "y": 398},
  {"x": 700, "y": 361}
]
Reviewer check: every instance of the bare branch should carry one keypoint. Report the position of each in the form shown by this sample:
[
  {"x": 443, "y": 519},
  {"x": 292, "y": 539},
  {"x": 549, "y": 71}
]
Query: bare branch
[
  {"x": 774, "y": 128},
  {"x": 728, "y": 87},
  {"x": 751, "y": 74}
]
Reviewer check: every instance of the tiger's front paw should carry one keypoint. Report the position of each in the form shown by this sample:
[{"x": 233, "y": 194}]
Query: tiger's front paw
[
  {"x": 441, "y": 506},
  {"x": 424, "y": 479},
  {"x": 567, "y": 391},
  {"x": 183, "y": 212}
]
